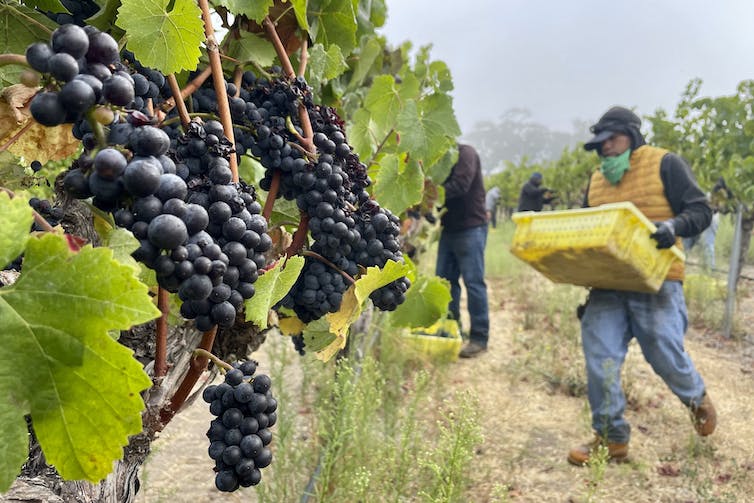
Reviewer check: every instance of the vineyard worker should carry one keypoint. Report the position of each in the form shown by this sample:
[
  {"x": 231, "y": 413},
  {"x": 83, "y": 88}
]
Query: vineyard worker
[
  {"x": 460, "y": 252},
  {"x": 533, "y": 196},
  {"x": 661, "y": 185},
  {"x": 491, "y": 202}
]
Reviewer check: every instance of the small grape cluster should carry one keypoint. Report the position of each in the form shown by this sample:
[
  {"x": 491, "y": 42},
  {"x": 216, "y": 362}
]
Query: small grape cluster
[
  {"x": 245, "y": 409},
  {"x": 78, "y": 65}
]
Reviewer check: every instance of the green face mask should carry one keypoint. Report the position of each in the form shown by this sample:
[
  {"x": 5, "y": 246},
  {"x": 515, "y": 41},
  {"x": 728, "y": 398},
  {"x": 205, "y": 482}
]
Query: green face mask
[{"x": 613, "y": 168}]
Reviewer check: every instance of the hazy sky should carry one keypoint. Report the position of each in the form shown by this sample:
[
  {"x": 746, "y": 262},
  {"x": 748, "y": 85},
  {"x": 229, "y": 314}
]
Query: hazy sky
[{"x": 567, "y": 60}]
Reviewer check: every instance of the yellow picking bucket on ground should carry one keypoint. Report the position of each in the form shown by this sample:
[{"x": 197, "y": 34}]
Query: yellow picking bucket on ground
[
  {"x": 441, "y": 341},
  {"x": 605, "y": 246}
]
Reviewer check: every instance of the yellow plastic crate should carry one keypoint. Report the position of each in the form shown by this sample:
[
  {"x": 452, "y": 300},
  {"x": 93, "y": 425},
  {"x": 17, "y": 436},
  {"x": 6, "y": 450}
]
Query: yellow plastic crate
[
  {"x": 606, "y": 246},
  {"x": 426, "y": 340}
]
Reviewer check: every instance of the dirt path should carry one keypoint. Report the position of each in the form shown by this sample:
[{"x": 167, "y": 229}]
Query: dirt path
[{"x": 528, "y": 430}]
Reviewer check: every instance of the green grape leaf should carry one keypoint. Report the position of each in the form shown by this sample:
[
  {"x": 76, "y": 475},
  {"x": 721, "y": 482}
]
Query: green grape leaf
[
  {"x": 60, "y": 365},
  {"x": 361, "y": 133},
  {"x": 325, "y": 64},
  {"x": 399, "y": 184},
  {"x": 333, "y": 22},
  {"x": 250, "y": 170},
  {"x": 256, "y": 10},
  {"x": 271, "y": 287},
  {"x": 426, "y": 125},
  {"x": 299, "y": 7},
  {"x": 46, "y": 5},
  {"x": 367, "y": 57},
  {"x": 20, "y": 26},
  {"x": 166, "y": 41},
  {"x": 384, "y": 103},
  {"x": 438, "y": 172},
  {"x": 105, "y": 17},
  {"x": 317, "y": 335},
  {"x": 251, "y": 47},
  {"x": 123, "y": 243},
  {"x": 15, "y": 222},
  {"x": 426, "y": 302}
]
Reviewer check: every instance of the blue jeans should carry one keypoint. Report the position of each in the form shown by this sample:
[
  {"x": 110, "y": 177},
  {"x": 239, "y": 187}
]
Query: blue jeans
[
  {"x": 658, "y": 321},
  {"x": 461, "y": 254}
]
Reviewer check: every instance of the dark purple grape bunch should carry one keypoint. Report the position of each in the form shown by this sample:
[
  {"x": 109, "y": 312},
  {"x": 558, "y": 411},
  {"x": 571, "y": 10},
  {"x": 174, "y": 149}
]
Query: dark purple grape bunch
[
  {"x": 202, "y": 234},
  {"x": 79, "y": 66},
  {"x": 239, "y": 436}
]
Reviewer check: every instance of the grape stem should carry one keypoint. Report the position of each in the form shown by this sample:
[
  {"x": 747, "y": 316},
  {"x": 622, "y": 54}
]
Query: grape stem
[
  {"x": 190, "y": 88},
  {"x": 182, "y": 111},
  {"x": 97, "y": 129},
  {"x": 218, "y": 80},
  {"x": 217, "y": 361},
  {"x": 272, "y": 194},
  {"x": 299, "y": 237},
  {"x": 161, "y": 341},
  {"x": 309, "y": 253},
  {"x": 237, "y": 79},
  {"x": 13, "y": 59},
  {"x": 39, "y": 219},
  {"x": 203, "y": 115},
  {"x": 304, "y": 58},
  {"x": 197, "y": 366}
]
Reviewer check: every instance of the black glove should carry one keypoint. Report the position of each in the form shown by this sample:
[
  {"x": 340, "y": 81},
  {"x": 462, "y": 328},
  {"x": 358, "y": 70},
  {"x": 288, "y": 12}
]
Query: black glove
[{"x": 665, "y": 234}]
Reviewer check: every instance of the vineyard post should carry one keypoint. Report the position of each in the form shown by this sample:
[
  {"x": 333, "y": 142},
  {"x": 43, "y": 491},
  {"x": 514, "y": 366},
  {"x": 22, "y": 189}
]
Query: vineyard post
[{"x": 730, "y": 300}]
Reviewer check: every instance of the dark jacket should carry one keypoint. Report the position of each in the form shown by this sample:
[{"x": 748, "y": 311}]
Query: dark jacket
[
  {"x": 532, "y": 197},
  {"x": 464, "y": 192}
]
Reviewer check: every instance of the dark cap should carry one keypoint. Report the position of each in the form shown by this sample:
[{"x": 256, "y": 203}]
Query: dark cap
[{"x": 615, "y": 120}]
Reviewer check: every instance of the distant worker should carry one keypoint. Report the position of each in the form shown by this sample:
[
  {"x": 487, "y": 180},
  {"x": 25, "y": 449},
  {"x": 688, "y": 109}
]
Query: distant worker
[
  {"x": 533, "y": 196},
  {"x": 491, "y": 201},
  {"x": 661, "y": 185},
  {"x": 460, "y": 252}
]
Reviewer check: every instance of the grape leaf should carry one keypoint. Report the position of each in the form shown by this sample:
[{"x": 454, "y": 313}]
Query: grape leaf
[
  {"x": 333, "y": 22},
  {"x": 105, "y": 17},
  {"x": 271, "y": 287},
  {"x": 299, "y": 7},
  {"x": 325, "y": 64},
  {"x": 291, "y": 325},
  {"x": 398, "y": 184},
  {"x": 361, "y": 133},
  {"x": 46, "y": 5},
  {"x": 384, "y": 103},
  {"x": 426, "y": 125},
  {"x": 60, "y": 365},
  {"x": 166, "y": 41},
  {"x": 367, "y": 59},
  {"x": 251, "y": 47},
  {"x": 14, "y": 227},
  {"x": 19, "y": 27},
  {"x": 317, "y": 335},
  {"x": 357, "y": 293},
  {"x": 426, "y": 301},
  {"x": 256, "y": 10}
]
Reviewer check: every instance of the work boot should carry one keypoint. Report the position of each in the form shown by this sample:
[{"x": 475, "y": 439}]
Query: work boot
[
  {"x": 704, "y": 416},
  {"x": 616, "y": 452},
  {"x": 471, "y": 349}
]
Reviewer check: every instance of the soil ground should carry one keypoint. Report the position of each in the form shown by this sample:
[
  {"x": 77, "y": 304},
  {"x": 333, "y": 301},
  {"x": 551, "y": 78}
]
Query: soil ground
[{"x": 528, "y": 429}]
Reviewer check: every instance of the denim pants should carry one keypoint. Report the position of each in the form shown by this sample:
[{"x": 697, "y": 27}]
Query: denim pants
[
  {"x": 461, "y": 254},
  {"x": 658, "y": 321}
]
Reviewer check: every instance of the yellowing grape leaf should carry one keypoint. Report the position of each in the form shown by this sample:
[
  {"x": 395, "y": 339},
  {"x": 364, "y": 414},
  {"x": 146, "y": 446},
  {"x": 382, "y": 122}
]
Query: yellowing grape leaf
[
  {"x": 60, "y": 365},
  {"x": 271, "y": 287},
  {"x": 37, "y": 142},
  {"x": 15, "y": 223},
  {"x": 166, "y": 41},
  {"x": 291, "y": 325},
  {"x": 357, "y": 293}
]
